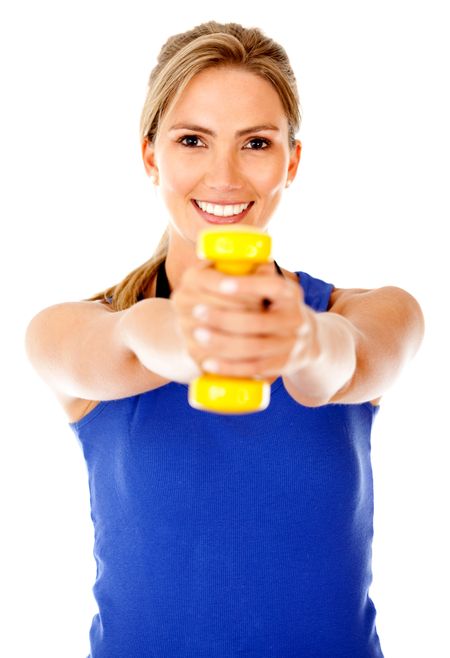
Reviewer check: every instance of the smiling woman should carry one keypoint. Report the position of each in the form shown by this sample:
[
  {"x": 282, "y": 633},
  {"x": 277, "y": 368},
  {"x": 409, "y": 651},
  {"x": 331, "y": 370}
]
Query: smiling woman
[
  {"x": 205, "y": 49},
  {"x": 219, "y": 536}
]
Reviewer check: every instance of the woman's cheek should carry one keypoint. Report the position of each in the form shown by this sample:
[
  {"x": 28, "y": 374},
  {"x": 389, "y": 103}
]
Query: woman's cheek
[{"x": 270, "y": 182}]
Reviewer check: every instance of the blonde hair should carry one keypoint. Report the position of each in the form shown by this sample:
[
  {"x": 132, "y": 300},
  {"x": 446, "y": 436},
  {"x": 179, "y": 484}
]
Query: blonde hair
[{"x": 182, "y": 57}]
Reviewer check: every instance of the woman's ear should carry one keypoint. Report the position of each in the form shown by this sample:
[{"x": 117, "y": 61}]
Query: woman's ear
[
  {"x": 294, "y": 161},
  {"x": 148, "y": 157}
]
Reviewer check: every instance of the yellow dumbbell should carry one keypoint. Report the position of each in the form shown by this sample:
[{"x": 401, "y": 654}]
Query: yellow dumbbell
[{"x": 235, "y": 250}]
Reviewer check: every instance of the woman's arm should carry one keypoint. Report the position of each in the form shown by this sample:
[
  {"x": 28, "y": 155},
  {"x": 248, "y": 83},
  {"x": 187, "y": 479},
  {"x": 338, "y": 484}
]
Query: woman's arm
[
  {"x": 364, "y": 341},
  {"x": 83, "y": 350},
  {"x": 350, "y": 354}
]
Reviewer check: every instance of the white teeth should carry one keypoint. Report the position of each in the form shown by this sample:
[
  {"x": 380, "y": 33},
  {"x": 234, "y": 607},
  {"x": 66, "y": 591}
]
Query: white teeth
[{"x": 222, "y": 211}]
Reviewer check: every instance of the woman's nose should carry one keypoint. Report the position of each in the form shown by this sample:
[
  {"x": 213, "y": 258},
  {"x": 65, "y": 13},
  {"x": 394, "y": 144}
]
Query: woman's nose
[{"x": 223, "y": 173}]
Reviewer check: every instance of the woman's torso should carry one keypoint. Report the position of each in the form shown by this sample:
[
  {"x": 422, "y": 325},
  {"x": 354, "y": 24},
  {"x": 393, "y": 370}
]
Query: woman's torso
[{"x": 231, "y": 536}]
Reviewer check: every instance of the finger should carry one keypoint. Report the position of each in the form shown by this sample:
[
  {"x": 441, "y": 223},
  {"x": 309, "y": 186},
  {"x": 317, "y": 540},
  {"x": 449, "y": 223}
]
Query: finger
[
  {"x": 296, "y": 354},
  {"x": 251, "y": 286},
  {"x": 274, "y": 321},
  {"x": 229, "y": 347},
  {"x": 268, "y": 366},
  {"x": 186, "y": 300}
]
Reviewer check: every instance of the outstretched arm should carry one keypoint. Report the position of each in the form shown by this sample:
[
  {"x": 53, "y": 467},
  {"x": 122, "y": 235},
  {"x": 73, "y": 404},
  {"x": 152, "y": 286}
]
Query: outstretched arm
[
  {"x": 363, "y": 342},
  {"x": 350, "y": 354}
]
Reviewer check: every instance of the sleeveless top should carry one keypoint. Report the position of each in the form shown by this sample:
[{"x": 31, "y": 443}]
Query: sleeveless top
[{"x": 229, "y": 536}]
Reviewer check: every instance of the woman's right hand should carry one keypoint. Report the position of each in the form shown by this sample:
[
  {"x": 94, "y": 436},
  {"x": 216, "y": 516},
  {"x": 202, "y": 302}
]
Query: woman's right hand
[
  {"x": 192, "y": 303},
  {"x": 249, "y": 333}
]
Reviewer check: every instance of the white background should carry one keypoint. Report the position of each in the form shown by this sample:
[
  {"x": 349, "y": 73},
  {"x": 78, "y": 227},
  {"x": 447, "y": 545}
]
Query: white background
[{"x": 368, "y": 208}]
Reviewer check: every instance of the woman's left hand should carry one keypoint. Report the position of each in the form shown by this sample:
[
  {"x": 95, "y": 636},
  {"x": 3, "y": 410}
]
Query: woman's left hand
[{"x": 237, "y": 334}]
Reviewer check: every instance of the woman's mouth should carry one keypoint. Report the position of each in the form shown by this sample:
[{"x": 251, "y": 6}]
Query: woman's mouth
[{"x": 221, "y": 213}]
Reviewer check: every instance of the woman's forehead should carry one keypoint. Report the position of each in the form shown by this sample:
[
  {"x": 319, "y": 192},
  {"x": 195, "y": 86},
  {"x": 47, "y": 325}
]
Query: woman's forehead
[{"x": 228, "y": 93}]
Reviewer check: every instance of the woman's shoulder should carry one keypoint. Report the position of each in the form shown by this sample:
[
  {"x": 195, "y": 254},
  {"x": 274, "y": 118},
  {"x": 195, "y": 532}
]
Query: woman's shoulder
[
  {"x": 77, "y": 408},
  {"x": 52, "y": 345}
]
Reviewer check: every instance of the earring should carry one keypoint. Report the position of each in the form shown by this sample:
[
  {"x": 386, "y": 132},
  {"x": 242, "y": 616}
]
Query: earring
[
  {"x": 288, "y": 182},
  {"x": 154, "y": 179}
]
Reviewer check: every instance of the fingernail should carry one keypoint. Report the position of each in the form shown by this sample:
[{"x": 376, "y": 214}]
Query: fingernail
[
  {"x": 210, "y": 365},
  {"x": 200, "y": 312},
  {"x": 202, "y": 335},
  {"x": 228, "y": 286}
]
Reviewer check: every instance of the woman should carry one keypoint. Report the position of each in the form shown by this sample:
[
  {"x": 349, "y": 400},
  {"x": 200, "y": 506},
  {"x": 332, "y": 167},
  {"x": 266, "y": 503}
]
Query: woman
[{"x": 236, "y": 535}]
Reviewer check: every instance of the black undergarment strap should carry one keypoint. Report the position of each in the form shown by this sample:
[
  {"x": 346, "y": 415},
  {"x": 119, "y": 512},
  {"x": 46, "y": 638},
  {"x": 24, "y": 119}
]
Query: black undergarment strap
[
  {"x": 266, "y": 303},
  {"x": 162, "y": 282},
  {"x": 278, "y": 268}
]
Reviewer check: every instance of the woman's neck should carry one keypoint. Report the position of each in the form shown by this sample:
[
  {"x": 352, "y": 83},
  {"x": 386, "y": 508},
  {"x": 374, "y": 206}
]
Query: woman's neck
[{"x": 180, "y": 256}]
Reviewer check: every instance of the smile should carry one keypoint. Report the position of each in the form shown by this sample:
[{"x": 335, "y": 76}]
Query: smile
[{"x": 220, "y": 210}]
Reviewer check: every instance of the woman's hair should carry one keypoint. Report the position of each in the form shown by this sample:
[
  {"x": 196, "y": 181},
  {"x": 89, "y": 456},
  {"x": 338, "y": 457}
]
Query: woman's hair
[{"x": 181, "y": 58}]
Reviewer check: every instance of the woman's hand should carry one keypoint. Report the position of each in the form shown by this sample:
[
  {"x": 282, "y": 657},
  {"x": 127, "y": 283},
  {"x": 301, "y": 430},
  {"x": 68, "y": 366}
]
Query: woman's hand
[{"x": 234, "y": 332}]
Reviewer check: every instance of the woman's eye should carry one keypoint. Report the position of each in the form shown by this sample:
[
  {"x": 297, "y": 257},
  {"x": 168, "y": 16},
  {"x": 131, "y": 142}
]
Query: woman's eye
[
  {"x": 191, "y": 141},
  {"x": 257, "y": 144}
]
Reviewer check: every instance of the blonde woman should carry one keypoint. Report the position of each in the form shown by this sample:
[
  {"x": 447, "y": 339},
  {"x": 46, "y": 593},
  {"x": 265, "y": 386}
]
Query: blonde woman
[{"x": 226, "y": 535}]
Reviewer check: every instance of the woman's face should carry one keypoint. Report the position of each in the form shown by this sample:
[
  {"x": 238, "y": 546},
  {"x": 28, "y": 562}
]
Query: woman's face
[{"x": 222, "y": 153}]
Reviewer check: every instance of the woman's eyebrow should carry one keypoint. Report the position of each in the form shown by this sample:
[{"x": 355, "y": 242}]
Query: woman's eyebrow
[{"x": 239, "y": 133}]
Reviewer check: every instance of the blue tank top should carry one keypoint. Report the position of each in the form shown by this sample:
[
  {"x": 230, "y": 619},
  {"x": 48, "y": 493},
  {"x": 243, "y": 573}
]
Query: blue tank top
[{"x": 225, "y": 536}]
